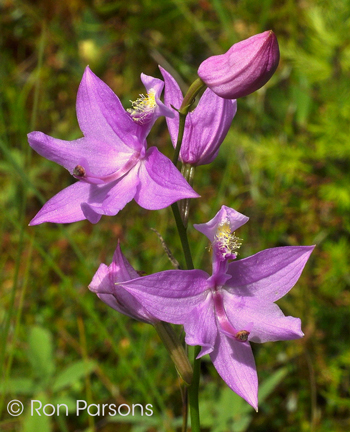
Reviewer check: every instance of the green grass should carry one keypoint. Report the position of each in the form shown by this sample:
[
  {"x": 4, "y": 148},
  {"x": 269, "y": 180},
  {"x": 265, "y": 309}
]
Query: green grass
[{"x": 285, "y": 164}]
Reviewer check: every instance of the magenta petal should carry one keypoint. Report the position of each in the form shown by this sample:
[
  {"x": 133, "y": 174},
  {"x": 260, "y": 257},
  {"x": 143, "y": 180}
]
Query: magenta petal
[
  {"x": 64, "y": 207},
  {"x": 120, "y": 193},
  {"x": 69, "y": 154},
  {"x": 104, "y": 285},
  {"x": 120, "y": 267},
  {"x": 264, "y": 320},
  {"x": 161, "y": 183},
  {"x": 269, "y": 274},
  {"x": 235, "y": 363},
  {"x": 101, "y": 115},
  {"x": 157, "y": 85},
  {"x": 200, "y": 326},
  {"x": 173, "y": 98},
  {"x": 206, "y": 127},
  {"x": 170, "y": 295},
  {"x": 224, "y": 215}
]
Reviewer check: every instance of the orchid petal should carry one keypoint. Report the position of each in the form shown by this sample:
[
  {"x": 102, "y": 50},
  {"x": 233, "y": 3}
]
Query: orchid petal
[
  {"x": 120, "y": 267},
  {"x": 269, "y": 274},
  {"x": 224, "y": 215},
  {"x": 104, "y": 285},
  {"x": 264, "y": 320},
  {"x": 161, "y": 183},
  {"x": 157, "y": 86},
  {"x": 170, "y": 295},
  {"x": 201, "y": 328},
  {"x": 235, "y": 363},
  {"x": 101, "y": 115},
  {"x": 205, "y": 127},
  {"x": 120, "y": 193},
  {"x": 101, "y": 157},
  {"x": 172, "y": 97},
  {"x": 65, "y": 207}
]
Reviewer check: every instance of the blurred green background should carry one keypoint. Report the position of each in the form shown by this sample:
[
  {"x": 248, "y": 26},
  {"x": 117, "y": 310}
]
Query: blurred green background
[{"x": 285, "y": 164}]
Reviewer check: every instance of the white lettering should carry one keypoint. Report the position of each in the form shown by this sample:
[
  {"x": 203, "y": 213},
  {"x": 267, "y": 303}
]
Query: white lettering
[
  {"x": 97, "y": 412},
  {"x": 78, "y": 406},
  {"x": 112, "y": 409},
  {"x": 149, "y": 409},
  {"x": 36, "y": 409},
  {"x": 137, "y": 405},
  {"x": 122, "y": 405},
  {"x": 53, "y": 410},
  {"x": 58, "y": 409}
]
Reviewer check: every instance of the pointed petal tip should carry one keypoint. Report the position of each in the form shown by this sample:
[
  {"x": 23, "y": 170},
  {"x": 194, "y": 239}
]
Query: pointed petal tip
[{"x": 35, "y": 221}]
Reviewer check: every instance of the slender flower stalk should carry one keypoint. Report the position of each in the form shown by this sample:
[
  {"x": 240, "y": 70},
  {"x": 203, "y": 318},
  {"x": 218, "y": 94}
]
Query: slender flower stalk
[
  {"x": 181, "y": 224},
  {"x": 188, "y": 172}
]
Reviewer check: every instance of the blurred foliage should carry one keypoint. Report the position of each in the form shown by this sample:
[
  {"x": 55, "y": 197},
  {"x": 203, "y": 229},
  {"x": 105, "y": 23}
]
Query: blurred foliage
[{"x": 285, "y": 164}]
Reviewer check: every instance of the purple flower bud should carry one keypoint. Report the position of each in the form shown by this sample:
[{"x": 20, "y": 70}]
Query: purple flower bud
[{"x": 244, "y": 68}]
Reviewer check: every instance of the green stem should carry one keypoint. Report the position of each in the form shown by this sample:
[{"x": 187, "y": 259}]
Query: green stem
[
  {"x": 183, "y": 236},
  {"x": 175, "y": 349},
  {"x": 187, "y": 171},
  {"x": 187, "y": 102},
  {"x": 182, "y": 119},
  {"x": 193, "y": 392}
]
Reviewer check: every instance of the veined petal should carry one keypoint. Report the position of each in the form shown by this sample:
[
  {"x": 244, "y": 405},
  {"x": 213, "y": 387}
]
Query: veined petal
[
  {"x": 206, "y": 127},
  {"x": 235, "y": 363},
  {"x": 269, "y": 274},
  {"x": 147, "y": 108},
  {"x": 103, "y": 284},
  {"x": 170, "y": 295},
  {"x": 172, "y": 97},
  {"x": 65, "y": 207},
  {"x": 225, "y": 215},
  {"x": 161, "y": 183},
  {"x": 119, "y": 194},
  {"x": 264, "y": 320},
  {"x": 101, "y": 157},
  {"x": 201, "y": 327},
  {"x": 120, "y": 268},
  {"x": 101, "y": 115},
  {"x": 157, "y": 86}
]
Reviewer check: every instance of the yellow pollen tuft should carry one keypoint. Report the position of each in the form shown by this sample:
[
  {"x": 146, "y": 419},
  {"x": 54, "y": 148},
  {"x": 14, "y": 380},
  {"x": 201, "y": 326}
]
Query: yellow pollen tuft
[
  {"x": 143, "y": 107},
  {"x": 227, "y": 242}
]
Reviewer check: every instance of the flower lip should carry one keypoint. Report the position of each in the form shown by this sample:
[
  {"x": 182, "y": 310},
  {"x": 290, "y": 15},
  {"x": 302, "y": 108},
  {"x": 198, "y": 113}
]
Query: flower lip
[
  {"x": 224, "y": 324},
  {"x": 81, "y": 171}
]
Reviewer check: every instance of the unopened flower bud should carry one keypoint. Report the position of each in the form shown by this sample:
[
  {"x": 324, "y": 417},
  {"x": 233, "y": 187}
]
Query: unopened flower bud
[{"x": 244, "y": 68}]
